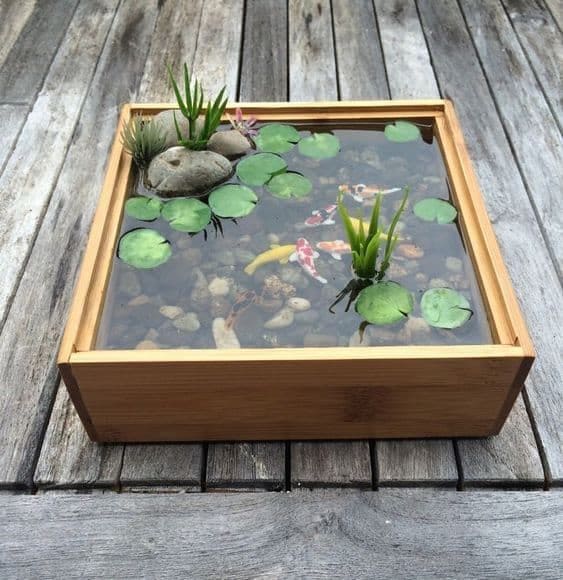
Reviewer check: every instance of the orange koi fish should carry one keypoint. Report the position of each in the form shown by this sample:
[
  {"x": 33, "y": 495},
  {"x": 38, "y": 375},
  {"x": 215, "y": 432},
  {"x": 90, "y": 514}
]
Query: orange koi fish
[
  {"x": 335, "y": 248},
  {"x": 362, "y": 192}
]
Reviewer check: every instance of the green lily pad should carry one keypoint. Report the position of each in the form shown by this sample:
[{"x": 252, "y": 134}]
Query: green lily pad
[
  {"x": 384, "y": 303},
  {"x": 445, "y": 308},
  {"x": 143, "y": 208},
  {"x": 276, "y": 138},
  {"x": 402, "y": 132},
  {"x": 319, "y": 146},
  {"x": 288, "y": 185},
  {"x": 144, "y": 248},
  {"x": 232, "y": 201},
  {"x": 187, "y": 215},
  {"x": 260, "y": 168},
  {"x": 433, "y": 209}
]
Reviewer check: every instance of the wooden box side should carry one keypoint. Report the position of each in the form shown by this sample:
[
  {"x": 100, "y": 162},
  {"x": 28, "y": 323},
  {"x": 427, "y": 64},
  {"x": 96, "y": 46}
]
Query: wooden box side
[{"x": 391, "y": 392}]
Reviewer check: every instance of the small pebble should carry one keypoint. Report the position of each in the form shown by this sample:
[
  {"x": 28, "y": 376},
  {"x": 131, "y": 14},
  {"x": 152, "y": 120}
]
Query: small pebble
[
  {"x": 273, "y": 239},
  {"x": 139, "y": 300},
  {"x": 224, "y": 337},
  {"x": 152, "y": 334},
  {"x": 438, "y": 283},
  {"x": 322, "y": 340},
  {"x": 219, "y": 286},
  {"x": 146, "y": 345},
  {"x": 454, "y": 264},
  {"x": 187, "y": 323},
  {"x": 282, "y": 319},
  {"x": 410, "y": 251},
  {"x": 171, "y": 312},
  {"x": 298, "y": 304}
]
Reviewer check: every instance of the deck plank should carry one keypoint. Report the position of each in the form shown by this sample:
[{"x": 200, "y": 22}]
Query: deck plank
[
  {"x": 173, "y": 42},
  {"x": 543, "y": 44},
  {"x": 508, "y": 459},
  {"x": 461, "y": 78},
  {"x": 12, "y": 118},
  {"x": 29, "y": 176},
  {"x": 67, "y": 456},
  {"x": 29, "y": 59},
  {"x": 554, "y": 6},
  {"x": 13, "y": 16},
  {"x": 525, "y": 113},
  {"x": 263, "y": 77},
  {"x": 410, "y": 76},
  {"x": 312, "y": 76},
  {"x": 333, "y": 534}
]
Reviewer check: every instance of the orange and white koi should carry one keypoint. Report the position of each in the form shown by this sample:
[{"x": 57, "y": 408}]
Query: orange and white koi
[
  {"x": 322, "y": 217},
  {"x": 362, "y": 192},
  {"x": 305, "y": 256},
  {"x": 335, "y": 248}
]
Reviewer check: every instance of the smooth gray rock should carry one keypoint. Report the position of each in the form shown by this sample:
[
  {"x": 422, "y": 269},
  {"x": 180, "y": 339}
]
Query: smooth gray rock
[
  {"x": 165, "y": 121},
  {"x": 180, "y": 171},
  {"x": 231, "y": 144}
]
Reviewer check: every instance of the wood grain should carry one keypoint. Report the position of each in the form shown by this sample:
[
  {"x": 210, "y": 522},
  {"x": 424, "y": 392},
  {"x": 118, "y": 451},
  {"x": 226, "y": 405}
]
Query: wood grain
[
  {"x": 29, "y": 59},
  {"x": 524, "y": 112},
  {"x": 12, "y": 118},
  {"x": 263, "y": 77},
  {"x": 461, "y": 78},
  {"x": 419, "y": 534},
  {"x": 409, "y": 76},
  {"x": 13, "y": 17},
  {"x": 543, "y": 45},
  {"x": 68, "y": 457},
  {"x": 312, "y": 76},
  {"x": 312, "y": 68}
]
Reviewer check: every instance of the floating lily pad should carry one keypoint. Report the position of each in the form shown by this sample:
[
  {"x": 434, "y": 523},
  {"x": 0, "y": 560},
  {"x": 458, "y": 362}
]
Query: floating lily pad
[
  {"x": 260, "y": 168},
  {"x": 143, "y": 208},
  {"x": 276, "y": 138},
  {"x": 187, "y": 215},
  {"x": 319, "y": 146},
  {"x": 144, "y": 248},
  {"x": 402, "y": 132},
  {"x": 434, "y": 209},
  {"x": 232, "y": 201},
  {"x": 289, "y": 185},
  {"x": 384, "y": 303},
  {"x": 445, "y": 308}
]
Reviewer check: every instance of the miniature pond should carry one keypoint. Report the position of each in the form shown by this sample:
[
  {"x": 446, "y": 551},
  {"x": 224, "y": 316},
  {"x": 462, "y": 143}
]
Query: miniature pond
[{"x": 270, "y": 278}]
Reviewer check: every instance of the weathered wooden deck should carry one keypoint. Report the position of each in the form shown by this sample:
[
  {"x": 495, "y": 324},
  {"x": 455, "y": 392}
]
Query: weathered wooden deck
[{"x": 67, "y": 65}]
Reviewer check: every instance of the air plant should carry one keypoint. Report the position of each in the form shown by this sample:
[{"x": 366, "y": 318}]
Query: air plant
[
  {"x": 366, "y": 241},
  {"x": 143, "y": 140},
  {"x": 191, "y": 106},
  {"x": 244, "y": 127}
]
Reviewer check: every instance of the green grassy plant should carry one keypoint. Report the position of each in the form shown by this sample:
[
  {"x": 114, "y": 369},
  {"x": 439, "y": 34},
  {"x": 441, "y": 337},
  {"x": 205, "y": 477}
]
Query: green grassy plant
[
  {"x": 142, "y": 139},
  {"x": 191, "y": 106}
]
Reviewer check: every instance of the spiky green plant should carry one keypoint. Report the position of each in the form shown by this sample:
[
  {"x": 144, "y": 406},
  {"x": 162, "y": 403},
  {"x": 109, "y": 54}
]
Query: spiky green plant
[
  {"x": 191, "y": 106},
  {"x": 143, "y": 140},
  {"x": 366, "y": 244}
]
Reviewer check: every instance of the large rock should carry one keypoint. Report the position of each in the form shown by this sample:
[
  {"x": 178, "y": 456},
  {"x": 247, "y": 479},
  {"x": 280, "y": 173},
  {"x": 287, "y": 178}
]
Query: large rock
[
  {"x": 231, "y": 144},
  {"x": 165, "y": 121},
  {"x": 180, "y": 171}
]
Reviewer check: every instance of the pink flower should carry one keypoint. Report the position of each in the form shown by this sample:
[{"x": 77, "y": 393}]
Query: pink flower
[{"x": 244, "y": 127}]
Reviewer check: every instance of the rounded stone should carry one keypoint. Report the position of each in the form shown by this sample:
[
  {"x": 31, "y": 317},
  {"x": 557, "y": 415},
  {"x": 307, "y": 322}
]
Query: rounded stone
[
  {"x": 165, "y": 122},
  {"x": 282, "y": 319},
  {"x": 182, "y": 172},
  {"x": 189, "y": 322},
  {"x": 171, "y": 312},
  {"x": 230, "y": 144},
  {"x": 454, "y": 264},
  {"x": 298, "y": 304},
  {"x": 219, "y": 286}
]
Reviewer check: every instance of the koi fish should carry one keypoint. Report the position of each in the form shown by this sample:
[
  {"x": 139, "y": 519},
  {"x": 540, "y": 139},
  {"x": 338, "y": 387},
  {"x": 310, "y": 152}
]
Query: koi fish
[
  {"x": 335, "y": 248},
  {"x": 362, "y": 192},
  {"x": 322, "y": 217},
  {"x": 276, "y": 253},
  {"x": 243, "y": 301},
  {"x": 305, "y": 255}
]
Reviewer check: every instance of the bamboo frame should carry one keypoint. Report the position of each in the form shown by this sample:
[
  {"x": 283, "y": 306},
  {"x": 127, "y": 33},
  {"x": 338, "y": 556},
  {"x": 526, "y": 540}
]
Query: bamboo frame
[{"x": 513, "y": 350}]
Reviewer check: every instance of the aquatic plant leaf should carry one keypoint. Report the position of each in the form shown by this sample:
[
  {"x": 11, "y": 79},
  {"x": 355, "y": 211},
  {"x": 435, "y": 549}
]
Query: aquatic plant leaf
[
  {"x": 433, "y": 209},
  {"x": 319, "y": 146},
  {"x": 144, "y": 248},
  {"x": 187, "y": 215},
  {"x": 445, "y": 308},
  {"x": 384, "y": 303},
  {"x": 259, "y": 168},
  {"x": 143, "y": 208},
  {"x": 276, "y": 138},
  {"x": 402, "y": 132},
  {"x": 232, "y": 201},
  {"x": 287, "y": 185}
]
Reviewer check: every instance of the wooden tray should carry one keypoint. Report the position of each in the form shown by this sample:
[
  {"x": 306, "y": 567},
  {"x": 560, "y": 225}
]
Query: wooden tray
[{"x": 305, "y": 393}]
